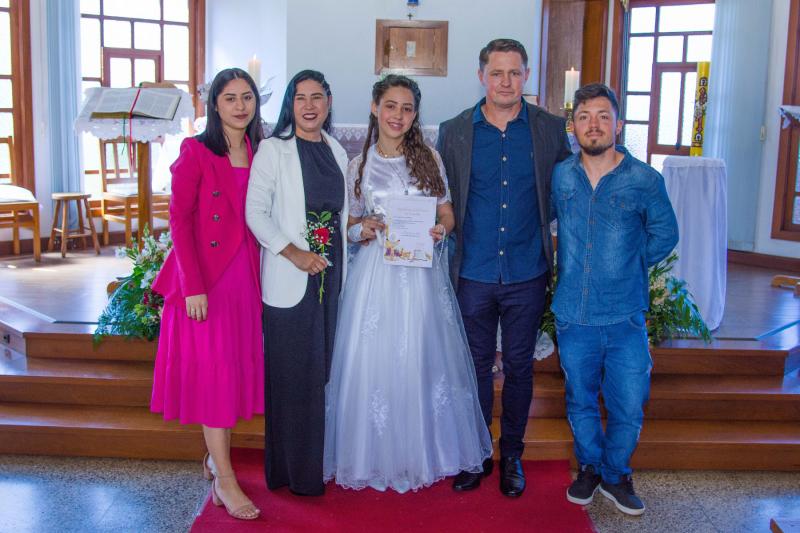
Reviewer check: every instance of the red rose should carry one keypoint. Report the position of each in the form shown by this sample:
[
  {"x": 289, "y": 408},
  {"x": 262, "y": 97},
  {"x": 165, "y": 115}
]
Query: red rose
[{"x": 322, "y": 235}]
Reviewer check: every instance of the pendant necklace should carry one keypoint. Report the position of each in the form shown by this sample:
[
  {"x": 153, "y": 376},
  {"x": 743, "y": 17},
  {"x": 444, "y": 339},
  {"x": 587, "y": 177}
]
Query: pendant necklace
[{"x": 394, "y": 170}]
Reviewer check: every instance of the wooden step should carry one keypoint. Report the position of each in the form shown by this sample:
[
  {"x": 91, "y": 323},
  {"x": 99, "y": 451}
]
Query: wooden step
[
  {"x": 679, "y": 396},
  {"x": 73, "y": 381},
  {"x": 718, "y": 358},
  {"x": 68, "y": 430},
  {"x": 81, "y": 346},
  {"x": 684, "y": 444}
]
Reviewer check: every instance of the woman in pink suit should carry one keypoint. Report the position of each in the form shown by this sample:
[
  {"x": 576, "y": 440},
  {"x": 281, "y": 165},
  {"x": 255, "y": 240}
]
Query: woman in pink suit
[{"x": 210, "y": 369}]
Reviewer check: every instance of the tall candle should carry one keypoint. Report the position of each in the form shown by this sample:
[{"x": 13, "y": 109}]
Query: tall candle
[
  {"x": 571, "y": 83},
  {"x": 254, "y": 69}
]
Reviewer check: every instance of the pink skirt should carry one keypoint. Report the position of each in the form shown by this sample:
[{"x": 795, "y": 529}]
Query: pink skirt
[{"x": 212, "y": 372}]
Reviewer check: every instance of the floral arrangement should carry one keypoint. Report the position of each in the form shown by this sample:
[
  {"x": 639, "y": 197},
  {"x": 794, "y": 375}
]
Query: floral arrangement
[
  {"x": 318, "y": 236},
  {"x": 133, "y": 309},
  {"x": 672, "y": 311}
]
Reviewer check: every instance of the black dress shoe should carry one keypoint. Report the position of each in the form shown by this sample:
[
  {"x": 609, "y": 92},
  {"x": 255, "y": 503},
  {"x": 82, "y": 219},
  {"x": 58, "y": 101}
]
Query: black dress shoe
[
  {"x": 512, "y": 478},
  {"x": 472, "y": 480}
]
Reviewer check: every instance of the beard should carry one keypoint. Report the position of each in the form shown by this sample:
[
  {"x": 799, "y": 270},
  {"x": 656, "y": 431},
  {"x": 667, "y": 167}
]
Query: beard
[{"x": 595, "y": 147}]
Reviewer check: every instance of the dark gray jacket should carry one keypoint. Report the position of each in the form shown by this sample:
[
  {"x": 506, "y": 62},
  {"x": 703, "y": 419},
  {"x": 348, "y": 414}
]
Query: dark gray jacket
[{"x": 550, "y": 145}]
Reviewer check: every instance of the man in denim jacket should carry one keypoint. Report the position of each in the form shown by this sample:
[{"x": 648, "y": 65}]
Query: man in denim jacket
[{"x": 614, "y": 221}]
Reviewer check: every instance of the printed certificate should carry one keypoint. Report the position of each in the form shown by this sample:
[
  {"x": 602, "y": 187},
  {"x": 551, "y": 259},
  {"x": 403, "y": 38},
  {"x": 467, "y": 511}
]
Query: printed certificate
[{"x": 408, "y": 220}]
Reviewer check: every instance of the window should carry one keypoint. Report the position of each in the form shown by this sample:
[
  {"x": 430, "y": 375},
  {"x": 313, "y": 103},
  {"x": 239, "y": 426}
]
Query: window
[
  {"x": 786, "y": 210},
  {"x": 665, "y": 41},
  {"x": 125, "y": 43},
  {"x": 16, "y": 139}
]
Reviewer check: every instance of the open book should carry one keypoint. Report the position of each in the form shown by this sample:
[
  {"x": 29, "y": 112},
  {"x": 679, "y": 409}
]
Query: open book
[{"x": 149, "y": 103}]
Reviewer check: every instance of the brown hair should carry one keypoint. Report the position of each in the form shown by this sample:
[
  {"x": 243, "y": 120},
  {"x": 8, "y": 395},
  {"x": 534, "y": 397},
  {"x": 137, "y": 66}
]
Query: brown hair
[
  {"x": 502, "y": 45},
  {"x": 419, "y": 157}
]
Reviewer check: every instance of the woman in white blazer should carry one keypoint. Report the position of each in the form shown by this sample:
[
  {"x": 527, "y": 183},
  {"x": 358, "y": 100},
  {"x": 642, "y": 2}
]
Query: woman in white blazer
[{"x": 297, "y": 209}]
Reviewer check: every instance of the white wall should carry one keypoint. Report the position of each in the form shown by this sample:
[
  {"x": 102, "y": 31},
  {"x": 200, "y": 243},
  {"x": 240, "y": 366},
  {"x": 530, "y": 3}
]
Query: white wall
[
  {"x": 237, "y": 29},
  {"x": 769, "y": 161},
  {"x": 338, "y": 38}
]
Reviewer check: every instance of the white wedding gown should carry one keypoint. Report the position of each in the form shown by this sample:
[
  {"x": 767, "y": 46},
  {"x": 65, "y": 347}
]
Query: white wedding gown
[{"x": 402, "y": 408}]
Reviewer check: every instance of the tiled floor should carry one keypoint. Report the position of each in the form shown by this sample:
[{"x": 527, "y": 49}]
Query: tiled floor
[{"x": 63, "y": 495}]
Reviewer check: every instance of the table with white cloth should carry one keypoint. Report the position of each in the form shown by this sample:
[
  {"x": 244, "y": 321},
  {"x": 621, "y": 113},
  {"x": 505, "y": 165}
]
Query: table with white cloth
[{"x": 697, "y": 188}]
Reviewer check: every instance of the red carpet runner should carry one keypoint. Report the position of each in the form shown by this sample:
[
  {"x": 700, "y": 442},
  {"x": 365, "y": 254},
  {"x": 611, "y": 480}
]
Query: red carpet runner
[{"x": 542, "y": 508}]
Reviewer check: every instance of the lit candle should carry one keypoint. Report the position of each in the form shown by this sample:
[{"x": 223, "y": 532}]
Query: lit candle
[
  {"x": 571, "y": 84},
  {"x": 254, "y": 69}
]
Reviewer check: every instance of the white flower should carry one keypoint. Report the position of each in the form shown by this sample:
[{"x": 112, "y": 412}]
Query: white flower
[
  {"x": 120, "y": 252},
  {"x": 147, "y": 279}
]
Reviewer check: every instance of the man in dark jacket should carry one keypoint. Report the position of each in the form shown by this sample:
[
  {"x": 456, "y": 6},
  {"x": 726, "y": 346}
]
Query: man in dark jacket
[{"x": 499, "y": 156}]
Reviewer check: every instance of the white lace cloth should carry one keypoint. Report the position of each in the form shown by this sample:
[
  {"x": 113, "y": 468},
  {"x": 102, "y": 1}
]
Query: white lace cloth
[{"x": 143, "y": 130}]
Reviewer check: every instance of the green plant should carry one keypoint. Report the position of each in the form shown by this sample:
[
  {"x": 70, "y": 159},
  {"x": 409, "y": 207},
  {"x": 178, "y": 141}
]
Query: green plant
[
  {"x": 133, "y": 309},
  {"x": 672, "y": 312}
]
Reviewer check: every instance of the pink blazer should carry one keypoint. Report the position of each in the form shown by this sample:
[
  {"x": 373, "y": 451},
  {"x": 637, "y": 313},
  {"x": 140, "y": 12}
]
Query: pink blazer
[{"x": 207, "y": 223}]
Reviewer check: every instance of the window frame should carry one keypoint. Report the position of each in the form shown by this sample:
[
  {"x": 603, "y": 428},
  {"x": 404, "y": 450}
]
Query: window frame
[
  {"x": 789, "y": 141},
  {"x": 21, "y": 94},
  {"x": 619, "y": 71}
]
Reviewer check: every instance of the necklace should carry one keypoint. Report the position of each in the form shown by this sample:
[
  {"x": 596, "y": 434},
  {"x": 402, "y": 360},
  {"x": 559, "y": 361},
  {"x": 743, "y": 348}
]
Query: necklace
[{"x": 395, "y": 173}]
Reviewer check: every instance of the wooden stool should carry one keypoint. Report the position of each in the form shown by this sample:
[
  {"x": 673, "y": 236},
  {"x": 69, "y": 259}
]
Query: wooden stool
[{"x": 62, "y": 200}]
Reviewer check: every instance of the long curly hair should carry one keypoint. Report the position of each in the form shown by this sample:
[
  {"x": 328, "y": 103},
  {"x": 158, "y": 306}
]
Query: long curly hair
[{"x": 420, "y": 161}]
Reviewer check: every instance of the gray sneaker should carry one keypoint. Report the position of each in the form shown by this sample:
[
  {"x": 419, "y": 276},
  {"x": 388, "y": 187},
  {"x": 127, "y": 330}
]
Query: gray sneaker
[
  {"x": 583, "y": 488},
  {"x": 623, "y": 496}
]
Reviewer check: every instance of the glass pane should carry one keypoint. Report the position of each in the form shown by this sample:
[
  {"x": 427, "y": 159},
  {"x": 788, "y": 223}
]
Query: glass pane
[
  {"x": 698, "y": 48},
  {"x": 90, "y": 7},
  {"x": 176, "y": 52},
  {"x": 5, "y": 94},
  {"x": 87, "y": 84},
  {"x": 91, "y": 56},
  {"x": 657, "y": 161},
  {"x": 91, "y": 152},
  {"x": 637, "y": 107},
  {"x": 138, "y": 9},
  {"x": 636, "y": 140},
  {"x": 120, "y": 72},
  {"x": 797, "y": 181},
  {"x": 5, "y": 159},
  {"x": 4, "y": 3},
  {"x": 117, "y": 34},
  {"x": 796, "y": 211},
  {"x": 697, "y": 17},
  {"x": 5, "y": 43},
  {"x": 640, "y": 63},
  {"x": 668, "y": 108},
  {"x": 146, "y": 36},
  {"x": 176, "y": 10},
  {"x": 689, "y": 90},
  {"x": 6, "y": 124},
  {"x": 643, "y": 20},
  {"x": 143, "y": 70},
  {"x": 670, "y": 49}
]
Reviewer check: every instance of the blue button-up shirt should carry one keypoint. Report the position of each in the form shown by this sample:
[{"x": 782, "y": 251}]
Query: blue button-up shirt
[
  {"x": 607, "y": 239},
  {"x": 502, "y": 236}
]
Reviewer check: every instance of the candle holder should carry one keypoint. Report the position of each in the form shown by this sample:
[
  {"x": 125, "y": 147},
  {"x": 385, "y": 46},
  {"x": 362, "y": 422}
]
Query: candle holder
[{"x": 568, "y": 116}]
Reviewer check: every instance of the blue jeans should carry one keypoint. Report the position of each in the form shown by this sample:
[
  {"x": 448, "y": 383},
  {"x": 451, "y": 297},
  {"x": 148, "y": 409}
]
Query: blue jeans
[
  {"x": 614, "y": 359},
  {"x": 519, "y": 307}
]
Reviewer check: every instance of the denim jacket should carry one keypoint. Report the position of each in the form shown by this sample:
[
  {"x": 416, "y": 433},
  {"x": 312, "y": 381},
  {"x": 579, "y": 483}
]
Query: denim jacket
[{"x": 607, "y": 239}]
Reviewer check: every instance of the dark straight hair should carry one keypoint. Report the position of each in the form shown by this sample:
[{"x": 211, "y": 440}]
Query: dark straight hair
[
  {"x": 214, "y": 136},
  {"x": 595, "y": 90},
  {"x": 286, "y": 117}
]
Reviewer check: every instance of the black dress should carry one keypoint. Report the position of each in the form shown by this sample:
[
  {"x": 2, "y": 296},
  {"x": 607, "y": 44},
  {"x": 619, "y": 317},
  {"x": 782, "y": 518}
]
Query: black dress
[{"x": 298, "y": 344}]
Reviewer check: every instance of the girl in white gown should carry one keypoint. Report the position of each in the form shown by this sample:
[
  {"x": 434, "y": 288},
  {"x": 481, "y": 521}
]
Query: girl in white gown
[{"x": 402, "y": 408}]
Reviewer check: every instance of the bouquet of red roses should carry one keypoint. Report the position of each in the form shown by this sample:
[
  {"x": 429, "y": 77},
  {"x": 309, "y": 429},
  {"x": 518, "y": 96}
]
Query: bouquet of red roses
[{"x": 318, "y": 236}]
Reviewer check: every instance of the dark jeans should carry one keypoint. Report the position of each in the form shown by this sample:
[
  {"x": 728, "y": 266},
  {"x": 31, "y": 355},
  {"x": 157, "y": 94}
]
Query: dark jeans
[{"x": 519, "y": 307}]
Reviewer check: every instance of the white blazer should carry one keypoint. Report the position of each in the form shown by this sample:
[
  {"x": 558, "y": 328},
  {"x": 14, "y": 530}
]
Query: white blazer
[{"x": 276, "y": 214}]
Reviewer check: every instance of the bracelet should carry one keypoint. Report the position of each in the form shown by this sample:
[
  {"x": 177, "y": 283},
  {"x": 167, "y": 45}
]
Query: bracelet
[{"x": 354, "y": 233}]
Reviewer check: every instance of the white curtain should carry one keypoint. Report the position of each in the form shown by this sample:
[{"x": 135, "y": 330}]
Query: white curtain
[
  {"x": 737, "y": 88},
  {"x": 63, "y": 73}
]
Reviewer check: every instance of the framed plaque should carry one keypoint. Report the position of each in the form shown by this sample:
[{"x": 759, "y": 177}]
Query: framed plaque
[{"x": 411, "y": 47}]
